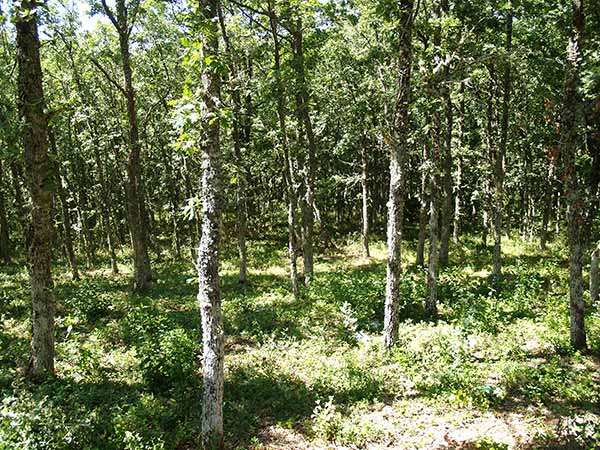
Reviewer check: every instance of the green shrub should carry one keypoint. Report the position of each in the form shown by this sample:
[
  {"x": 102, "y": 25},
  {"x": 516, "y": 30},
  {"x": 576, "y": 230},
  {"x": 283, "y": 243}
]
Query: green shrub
[
  {"x": 168, "y": 360},
  {"x": 89, "y": 301},
  {"x": 141, "y": 426},
  {"x": 345, "y": 426},
  {"x": 47, "y": 422}
]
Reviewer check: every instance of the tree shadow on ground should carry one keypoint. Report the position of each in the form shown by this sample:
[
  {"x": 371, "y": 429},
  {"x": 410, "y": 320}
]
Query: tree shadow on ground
[
  {"x": 254, "y": 396},
  {"x": 261, "y": 394}
]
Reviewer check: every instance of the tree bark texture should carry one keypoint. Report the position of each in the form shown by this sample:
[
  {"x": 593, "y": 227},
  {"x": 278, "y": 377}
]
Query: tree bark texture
[
  {"x": 40, "y": 177},
  {"x": 398, "y": 151}
]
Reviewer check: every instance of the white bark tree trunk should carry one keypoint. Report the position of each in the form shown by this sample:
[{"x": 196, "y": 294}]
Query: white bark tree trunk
[
  {"x": 209, "y": 293},
  {"x": 396, "y": 195}
]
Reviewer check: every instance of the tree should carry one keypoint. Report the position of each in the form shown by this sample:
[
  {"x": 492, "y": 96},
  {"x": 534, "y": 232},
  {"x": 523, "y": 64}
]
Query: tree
[
  {"x": 40, "y": 178},
  {"x": 570, "y": 141},
  {"x": 399, "y": 147},
  {"x": 241, "y": 134},
  {"x": 446, "y": 157},
  {"x": 500, "y": 157},
  {"x": 4, "y": 229},
  {"x": 437, "y": 142},
  {"x": 209, "y": 293},
  {"x": 364, "y": 176},
  {"x": 595, "y": 275},
  {"x": 123, "y": 20},
  {"x": 305, "y": 122},
  {"x": 288, "y": 170}
]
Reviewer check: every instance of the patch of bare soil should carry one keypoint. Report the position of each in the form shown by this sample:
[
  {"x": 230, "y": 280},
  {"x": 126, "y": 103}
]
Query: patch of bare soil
[{"x": 417, "y": 425}]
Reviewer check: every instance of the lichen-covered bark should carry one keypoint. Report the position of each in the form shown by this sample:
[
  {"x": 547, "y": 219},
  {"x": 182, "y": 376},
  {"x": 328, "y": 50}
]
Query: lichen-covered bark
[
  {"x": 209, "y": 294},
  {"x": 40, "y": 177},
  {"x": 398, "y": 150},
  {"x": 570, "y": 141}
]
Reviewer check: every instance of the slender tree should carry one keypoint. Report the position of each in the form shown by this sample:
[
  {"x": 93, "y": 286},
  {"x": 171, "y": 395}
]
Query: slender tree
[
  {"x": 302, "y": 100},
  {"x": 447, "y": 160},
  {"x": 437, "y": 142},
  {"x": 4, "y": 229},
  {"x": 288, "y": 170},
  {"x": 399, "y": 147},
  {"x": 423, "y": 204},
  {"x": 365, "y": 201},
  {"x": 595, "y": 275},
  {"x": 241, "y": 138},
  {"x": 499, "y": 171},
  {"x": 570, "y": 141},
  {"x": 123, "y": 20},
  {"x": 209, "y": 293},
  {"x": 459, "y": 167}
]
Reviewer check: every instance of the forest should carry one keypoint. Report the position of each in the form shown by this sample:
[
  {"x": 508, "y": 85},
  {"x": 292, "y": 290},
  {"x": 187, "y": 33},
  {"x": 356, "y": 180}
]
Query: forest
[{"x": 299, "y": 224}]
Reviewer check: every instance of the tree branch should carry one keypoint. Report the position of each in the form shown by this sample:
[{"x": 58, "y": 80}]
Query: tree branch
[
  {"x": 110, "y": 14},
  {"x": 107, "y": 75}
]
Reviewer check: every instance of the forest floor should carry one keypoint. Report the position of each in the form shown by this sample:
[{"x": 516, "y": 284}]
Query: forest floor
[{"x": 495, "y": 372}]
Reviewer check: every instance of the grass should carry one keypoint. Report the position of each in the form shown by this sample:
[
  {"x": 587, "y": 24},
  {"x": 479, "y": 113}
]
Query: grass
[{"x": 494, "y": 372}]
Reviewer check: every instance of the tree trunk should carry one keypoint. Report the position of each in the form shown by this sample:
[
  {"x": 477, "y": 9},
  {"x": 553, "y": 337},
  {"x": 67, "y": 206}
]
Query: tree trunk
[
  {"x": 105, "y": 210},
  {"x": 458, "y": 180},
  {"x": 4, "y": 229},
  {"x": 490, "y": 138},
  {"x": 570, "y": 140},
  {"x": 437, "y": 144},
  {"x": 595, "y": 275},
  {"x": 304, "y": 112},
  {"x": 365, "y": 202},
  {"x": 499, "y": 162},
  {"x": 548, "y": 194},
  {"x": 399, "y": 148},
  {"x": 142, "y": 274},
  {"x": 105, "y": 201},
  {"x": 288, "y": 171},
  {"x": 447, "y": 162},
  {"x": 173, "y": 190},
  {"x": 240, "y": 137},
  {"x": 16, "y": 174},
  {"x": 67, "y": 228},
  {"x": 209, "y": 294},
  {"x": 424, "y": 202},
  {"x": 39, "y": 171},
  {"x": 433, "y": 262},
  {"x": 66, "y": 213}
]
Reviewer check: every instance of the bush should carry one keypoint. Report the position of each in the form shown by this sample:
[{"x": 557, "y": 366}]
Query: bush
[
  {"x": 41, "y": 422},
  {"x": 346, "y": 426},
  {"x": 89, "y": 301},
  {"x": 167, "y": 360}
]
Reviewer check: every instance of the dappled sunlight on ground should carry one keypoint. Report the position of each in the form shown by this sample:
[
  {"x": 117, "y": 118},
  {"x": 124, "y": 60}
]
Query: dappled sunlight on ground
[{"x": 495, "y": 372}]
